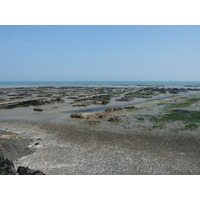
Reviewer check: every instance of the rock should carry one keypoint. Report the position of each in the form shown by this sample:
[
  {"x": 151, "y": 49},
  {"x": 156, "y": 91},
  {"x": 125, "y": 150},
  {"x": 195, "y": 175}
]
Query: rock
[
  {"x": 6, "y": 166},
  {"x": 90, "y": 116},
  {"x": 102, "y": 101},
  {"x": 114, "y": 109},
  {"x": 26, "y": 171},
  {"x": 38, "y": 109},
  {"x": 15, "y": 147},
  {"x": 101, "y": 115},
  {"x": 105, "y": 101},
  {"x": 59, "y": 100},
  {"x": 114, "y": 119},
  {"x": 129, "y": 107},
  {"x": 77, "y": 116},
  {"x": 109, "y": 110},
  {"x": 118, "y": 108}
]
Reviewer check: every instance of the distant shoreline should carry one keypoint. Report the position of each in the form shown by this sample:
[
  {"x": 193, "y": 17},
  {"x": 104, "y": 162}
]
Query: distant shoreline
[{"x": 175, "y": 84}]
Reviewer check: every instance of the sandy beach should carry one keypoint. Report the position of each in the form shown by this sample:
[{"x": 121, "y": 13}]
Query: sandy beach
[{"x": 143, "y": 130}]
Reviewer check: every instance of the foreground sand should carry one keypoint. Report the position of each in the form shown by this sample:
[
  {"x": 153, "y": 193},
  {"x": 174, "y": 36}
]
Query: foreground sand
[
  {"x": 58, "y": 144},
  {"x": 65, "y": 149}
]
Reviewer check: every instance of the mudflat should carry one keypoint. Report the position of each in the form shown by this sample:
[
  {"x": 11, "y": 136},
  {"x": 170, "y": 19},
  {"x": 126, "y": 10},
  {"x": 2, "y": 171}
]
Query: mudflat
[{"x": 86, "y": 130}]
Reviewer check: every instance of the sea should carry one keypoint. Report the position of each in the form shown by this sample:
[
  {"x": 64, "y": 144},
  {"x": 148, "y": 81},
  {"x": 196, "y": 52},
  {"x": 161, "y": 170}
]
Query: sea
[{"x": 168, "y": 84}]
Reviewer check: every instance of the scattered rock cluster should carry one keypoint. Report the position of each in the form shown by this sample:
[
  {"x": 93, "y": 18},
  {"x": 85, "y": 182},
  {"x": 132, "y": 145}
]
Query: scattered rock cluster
[
  {"x": 26, "y": 103},
  {"x": 93, "y": 117},
  {"x": 77, "y": 96}
]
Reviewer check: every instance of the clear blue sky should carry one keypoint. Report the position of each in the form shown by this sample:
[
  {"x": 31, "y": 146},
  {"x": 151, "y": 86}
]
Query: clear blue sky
[{"x": 99, "y": 53}]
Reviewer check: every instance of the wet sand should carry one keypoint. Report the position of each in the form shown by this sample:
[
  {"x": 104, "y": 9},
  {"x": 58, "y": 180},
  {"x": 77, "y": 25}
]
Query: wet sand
[{"x": 62, "y": 145}]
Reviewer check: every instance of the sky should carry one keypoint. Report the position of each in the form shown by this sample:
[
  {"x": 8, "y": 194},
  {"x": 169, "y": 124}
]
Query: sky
[{"x": 100, "y": 53}]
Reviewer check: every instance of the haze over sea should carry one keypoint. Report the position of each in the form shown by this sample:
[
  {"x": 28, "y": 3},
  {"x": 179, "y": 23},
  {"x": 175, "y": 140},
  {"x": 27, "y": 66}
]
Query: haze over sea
[{"x": 100, "y": 83}]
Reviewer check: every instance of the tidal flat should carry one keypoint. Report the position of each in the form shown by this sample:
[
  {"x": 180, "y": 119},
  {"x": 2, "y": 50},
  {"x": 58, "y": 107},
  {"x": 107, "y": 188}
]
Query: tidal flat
[{"x": 102, "y": 130}]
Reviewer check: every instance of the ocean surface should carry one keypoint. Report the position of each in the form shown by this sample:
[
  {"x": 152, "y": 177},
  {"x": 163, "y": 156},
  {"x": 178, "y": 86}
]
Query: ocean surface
[{"x": 179, "y": 84}]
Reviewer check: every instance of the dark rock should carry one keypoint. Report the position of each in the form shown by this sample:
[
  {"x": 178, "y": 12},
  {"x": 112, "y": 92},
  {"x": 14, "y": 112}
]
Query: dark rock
[
  {"x": 59, "y": 100},
  {"x": 105, "y": 101},
  {"x": 6, "y": 166},
  {"x": 77, "y": 116},
  {"x": 26, "y": 171},
  {"x": 38, "y": 109},
  {"x": 118, "y": 108}
]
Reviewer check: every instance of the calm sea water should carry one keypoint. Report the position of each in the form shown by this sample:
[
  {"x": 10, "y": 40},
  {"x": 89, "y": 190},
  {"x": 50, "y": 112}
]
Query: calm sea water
[{"x": 101, "y": 84}]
